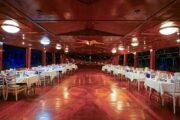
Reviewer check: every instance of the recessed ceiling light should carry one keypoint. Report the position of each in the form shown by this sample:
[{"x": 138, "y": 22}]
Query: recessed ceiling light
[
  {"x": 58, "y": 46},
  {"x": 114, "y": 50},
  {"x": 134, "y": 42},
  {"x": 10, "y": 26},
  {"x": 29, "y": 44},
  {"x": 66, "y": 50},
  {"x": 23, "y": 36},
  {"x": 45, "y": 40},
  {"x": 23, "y": 43},
  {"x": 1, "y": 43},
  {"x": 168, "y": 28},
  {"x": 178, "y": 40},
  {"x": 121, "y": 48}
]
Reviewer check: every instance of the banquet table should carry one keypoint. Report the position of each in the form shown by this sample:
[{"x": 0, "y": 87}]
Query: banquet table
[
  {"x": 161, "y": 87},
  {"x": 28, "y": 80},
  {"x": 140, "y": 77}
]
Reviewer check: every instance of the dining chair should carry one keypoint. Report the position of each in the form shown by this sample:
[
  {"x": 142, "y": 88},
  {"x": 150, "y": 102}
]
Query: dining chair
[
  {"x": 13, "y": 88},
  {"x": 176, "y": 93},
  {"x": 2, "y": 86}
]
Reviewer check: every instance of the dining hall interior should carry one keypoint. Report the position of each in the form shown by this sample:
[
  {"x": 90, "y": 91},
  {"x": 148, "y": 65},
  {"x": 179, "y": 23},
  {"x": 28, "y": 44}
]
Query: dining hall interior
[{"x": 89, "y": 59}]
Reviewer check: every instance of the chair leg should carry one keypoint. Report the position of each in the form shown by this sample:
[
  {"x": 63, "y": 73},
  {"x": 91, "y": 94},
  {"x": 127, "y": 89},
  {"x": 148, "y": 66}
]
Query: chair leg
[
  {"x": 16, "y": 94},
  {"x": 174, "y": 104},
  {"x": 6, "y": 97}
]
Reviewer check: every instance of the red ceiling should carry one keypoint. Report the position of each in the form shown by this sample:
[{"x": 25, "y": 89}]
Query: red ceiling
[{"x": 111, "y": 22}]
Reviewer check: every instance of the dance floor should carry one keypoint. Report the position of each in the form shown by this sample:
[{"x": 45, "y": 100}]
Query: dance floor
[{"x": 87, "y": 94}]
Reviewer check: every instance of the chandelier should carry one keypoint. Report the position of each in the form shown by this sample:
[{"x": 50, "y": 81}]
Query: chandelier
[
  {"x": 168, "y": 28},
  {"x": 121, "y": 48},
  {"x": 10, "y": 26},
  {"x": 45, "y": 40},
  {"x": 58, "y": 46},
  {"x": 134, "y": 42},
  {"x": 114, "y": 50}
]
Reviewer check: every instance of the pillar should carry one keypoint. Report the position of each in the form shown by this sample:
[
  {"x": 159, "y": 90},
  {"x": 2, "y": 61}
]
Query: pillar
[
  {"x": 125, "y": 59},
  {"x": 28, "y": 57},
  {"x": 152, "y": 59},
  {"x": 44, "y": 58},
  {"x": 1, "y": 56}
]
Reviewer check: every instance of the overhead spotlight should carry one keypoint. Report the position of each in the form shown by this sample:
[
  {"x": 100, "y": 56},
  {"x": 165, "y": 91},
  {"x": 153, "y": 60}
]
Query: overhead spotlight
[
  {"x": 168, "y": 28},
  {"x": 113, "y": 50},
  {"x": 23, "y": 43},
  {"x": 58, "y": 46},
  {"x": 134, "y": 42},
  {"x": 10, "y": 26},
  {"x": 178, "y": 40},
  {"x": 1, "y": 43},
  {"x": 45, "y": 40},
  {"x": 178, "y": 35},
  {"x": 23, "y": 36},
  {"x": 66, "y": 50},
  {"x": 121, "y": 48}
]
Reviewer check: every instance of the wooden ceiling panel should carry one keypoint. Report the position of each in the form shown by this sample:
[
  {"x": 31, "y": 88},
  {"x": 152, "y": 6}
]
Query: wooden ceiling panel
[
  {"x": 62, "y": 27},
  {"x": 111, "y": 22}
]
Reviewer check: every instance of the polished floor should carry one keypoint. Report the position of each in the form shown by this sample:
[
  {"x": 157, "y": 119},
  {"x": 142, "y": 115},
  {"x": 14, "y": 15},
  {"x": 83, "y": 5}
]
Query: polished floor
[{"x": 86, "y": 95}]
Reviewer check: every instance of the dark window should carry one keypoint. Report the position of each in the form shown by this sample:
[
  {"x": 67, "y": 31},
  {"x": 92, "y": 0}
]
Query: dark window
[
  {"x": 48, "y": 58},
  {"x": 13, "y": 57},
  {"x": 36, "y": 58},
  {"x": 144, "y": 59},
  {"x": 57, "y": 58},
  {"x": 121, "y": 59},
  {"x": 168, "y": 59},
  {"x": 130, "y": 59}
]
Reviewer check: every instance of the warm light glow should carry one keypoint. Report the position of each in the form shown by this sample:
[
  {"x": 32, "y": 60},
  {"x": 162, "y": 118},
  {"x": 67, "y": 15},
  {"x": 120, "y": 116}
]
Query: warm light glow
[
  {"x": 178, "y": 40},
  {"x": 45, "y": 40},
  {"x": 114, "y": 50},
  {"x": 58, "y": 46},
  {"x": 134, "y": 42},
  {"x": 23, "y": 43},
  {"x": 121, "y": 48},
  {"x": 66, "y": 50},
  {"x": 151, "y": 50},
  {"x": 168, "y": 28},
  {"x": 10, "y": 26}
]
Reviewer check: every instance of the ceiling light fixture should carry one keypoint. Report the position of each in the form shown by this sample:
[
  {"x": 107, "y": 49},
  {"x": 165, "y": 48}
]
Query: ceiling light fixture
[
  {"x": 23, "y": 43},
  {"x": 10, "y": 26},
  {"x": 168, "y": 28},
  {"x": 66, "y": 50},
  {"x": 45, "y": 40},
  {"x": 114, "y": 51},
  {"x": 134, "y": 42},
  {"x": 58, "y": 46},
  {"x": 121, "y": 48}
]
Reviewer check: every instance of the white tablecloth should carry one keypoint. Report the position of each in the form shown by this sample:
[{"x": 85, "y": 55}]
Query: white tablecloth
[
  {"x": 29, "y": 80},
  {"x": 160, "y": 86}
]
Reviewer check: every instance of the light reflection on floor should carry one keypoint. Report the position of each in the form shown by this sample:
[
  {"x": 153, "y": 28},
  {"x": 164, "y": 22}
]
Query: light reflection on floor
[{"x": 86, "y": 95}]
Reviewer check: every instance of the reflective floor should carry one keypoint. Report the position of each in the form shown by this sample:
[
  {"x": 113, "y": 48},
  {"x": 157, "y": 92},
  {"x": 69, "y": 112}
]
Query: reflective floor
[{"x": 85, "y": 95}]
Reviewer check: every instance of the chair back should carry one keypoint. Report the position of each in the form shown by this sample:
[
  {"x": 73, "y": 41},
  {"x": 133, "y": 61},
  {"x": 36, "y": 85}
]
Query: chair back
[
  {"x": 11, "y": 80},
  {"x": 2, "y": 80},
  {"x": 177, "y": 86}
]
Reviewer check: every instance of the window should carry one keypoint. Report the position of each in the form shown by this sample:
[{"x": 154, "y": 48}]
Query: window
[
  {"x": 121, "y": 59},
  {"x": 49, "y": 58},
  {"x": 58, "y": 58},
  {"x": 144, "y": 59},
  {"x": 36, "y": 58},
  {"x": 130, "y": 59},
  {"x": 168, "y": 59},
  {"x": 13, "y": 57}
]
